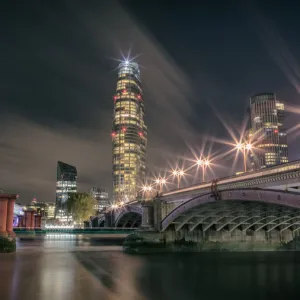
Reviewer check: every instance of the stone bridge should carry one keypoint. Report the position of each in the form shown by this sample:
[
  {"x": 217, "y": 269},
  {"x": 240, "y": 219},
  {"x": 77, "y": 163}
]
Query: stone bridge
[
  {"x": 129, "y": 216},
  {"x": 233, "y": 219},
  {"x": 243, "y": 209}
]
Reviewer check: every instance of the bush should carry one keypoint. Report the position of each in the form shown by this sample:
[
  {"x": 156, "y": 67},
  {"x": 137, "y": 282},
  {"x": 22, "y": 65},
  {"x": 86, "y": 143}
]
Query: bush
[{"x": 7, "y": 245}]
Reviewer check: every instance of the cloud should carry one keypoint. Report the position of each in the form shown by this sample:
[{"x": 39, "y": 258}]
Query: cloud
[
  {"x": 168, "y": 95},
  {"x": 77, "y": 87},
  {"x": 30, "y": 151}
]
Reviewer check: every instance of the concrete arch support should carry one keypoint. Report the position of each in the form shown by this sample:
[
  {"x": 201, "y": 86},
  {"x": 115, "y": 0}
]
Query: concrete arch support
[
  {"x": 130, "y": 215},
  {"x": 191, "y": 209}
]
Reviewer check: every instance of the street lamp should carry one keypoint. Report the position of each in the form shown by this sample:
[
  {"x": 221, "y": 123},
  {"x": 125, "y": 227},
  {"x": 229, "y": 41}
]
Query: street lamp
[
  {"x": 160, "y": 182},
  {"x": 244, "y": 147},
  {"x": 203, "y": 163},
  {"x": 178, "y": 174},
  {"x": 146, "y": 189},
  {"x": 248, "y": 146}
]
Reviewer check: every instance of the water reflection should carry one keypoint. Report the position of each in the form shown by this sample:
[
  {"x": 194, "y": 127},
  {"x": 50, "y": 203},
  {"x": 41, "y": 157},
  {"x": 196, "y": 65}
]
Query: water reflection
[
  {"x": 217, "y": 275},
  {"x": 81, "y": 273}
]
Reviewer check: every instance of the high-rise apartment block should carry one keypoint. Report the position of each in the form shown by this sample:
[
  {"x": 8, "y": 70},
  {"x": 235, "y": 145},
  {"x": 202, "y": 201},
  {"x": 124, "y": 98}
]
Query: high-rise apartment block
[
  {"x": 266, "y": 131},
  {"x": 129, "y": 134}
]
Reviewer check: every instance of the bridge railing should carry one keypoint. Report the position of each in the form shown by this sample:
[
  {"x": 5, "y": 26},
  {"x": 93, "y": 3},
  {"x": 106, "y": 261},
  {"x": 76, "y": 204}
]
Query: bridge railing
[{"x": 279, "y": 169}]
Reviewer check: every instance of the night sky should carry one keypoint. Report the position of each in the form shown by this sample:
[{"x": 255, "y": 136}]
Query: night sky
[{"x": 198, "y": 62}]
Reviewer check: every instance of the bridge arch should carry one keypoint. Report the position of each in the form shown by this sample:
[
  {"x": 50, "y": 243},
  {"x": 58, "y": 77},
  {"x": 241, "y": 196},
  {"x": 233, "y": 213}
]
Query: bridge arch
[
  {"x": 129, "y": 217},
  {"x": 236, "y": 208}
]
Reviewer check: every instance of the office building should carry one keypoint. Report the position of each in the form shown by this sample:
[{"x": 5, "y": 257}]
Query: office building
[
  {"x": 101, "y": 195},
  {"x": 66, "y": 183},
  {"x": 266, "y": 131},
  {"x": 129, "y": 134}
]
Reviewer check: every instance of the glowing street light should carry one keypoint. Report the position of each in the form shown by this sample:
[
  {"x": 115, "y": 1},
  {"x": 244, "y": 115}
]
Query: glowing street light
[
  {"x": 174, "y": 173},
  {"x": 178, "y": 174},
  {"x": 114, "y": 206},
  {"x": 244, "y": 147},
  {"x": 248, "y": 147},
  {"x": 203, "y": 163},
  {"x": 147, "y": 188},
  {"x": 239, "y": 146},
  {"x": 199, "y": 162},
  {"x": 160, "y": 181}
]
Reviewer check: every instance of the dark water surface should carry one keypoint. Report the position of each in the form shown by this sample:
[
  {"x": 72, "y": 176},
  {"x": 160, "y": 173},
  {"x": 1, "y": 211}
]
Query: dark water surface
[{"x": 76, "y": 269}]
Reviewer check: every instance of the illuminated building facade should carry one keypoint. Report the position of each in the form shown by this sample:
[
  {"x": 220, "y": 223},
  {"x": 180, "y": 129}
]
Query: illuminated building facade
[
  {"x": 43, "y": 209},
  {"x": 66, "y": 183},
  {"x": 267, "y": 131},
  {"x": 101, "y": 195},
  {"x": 129, "y": 134},
  {"x": 18, "y": 211}
]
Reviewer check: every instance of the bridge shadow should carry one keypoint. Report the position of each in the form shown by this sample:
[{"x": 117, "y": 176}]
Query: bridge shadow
[{"x": 89, "y": 264}]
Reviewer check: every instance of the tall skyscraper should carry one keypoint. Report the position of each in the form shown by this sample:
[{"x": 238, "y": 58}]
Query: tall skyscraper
[
  {"x": 267, "y": 131},
  {"x": 129, "y": 134},
  {"x": 66, "y": 183},
  {"x": 101, "y": 195}
]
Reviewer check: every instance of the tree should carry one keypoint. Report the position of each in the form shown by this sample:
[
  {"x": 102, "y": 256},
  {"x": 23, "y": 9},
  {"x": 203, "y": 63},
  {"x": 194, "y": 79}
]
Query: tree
[{"x": 81, "y": 206}]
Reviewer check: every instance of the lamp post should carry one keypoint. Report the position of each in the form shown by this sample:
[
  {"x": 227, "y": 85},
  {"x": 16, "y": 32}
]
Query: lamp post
[
  {"x": 203, "y": 163},
  {"x": 146, "y": 191},
  {"x": 160, "y": 182},
  {"x": 244, "y": 147},
  {"x": 178, "y": 174}
]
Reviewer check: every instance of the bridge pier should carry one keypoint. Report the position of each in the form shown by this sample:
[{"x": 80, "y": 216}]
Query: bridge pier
[
  {"x": 148, "y": 215},
  {"x": 38, "y": 221},
  {"x": 21, "y": 221},
  {"x": 109, "y": 220},
  {"x": 29, "y": 219},
  {"x": 7, "y": 236}
]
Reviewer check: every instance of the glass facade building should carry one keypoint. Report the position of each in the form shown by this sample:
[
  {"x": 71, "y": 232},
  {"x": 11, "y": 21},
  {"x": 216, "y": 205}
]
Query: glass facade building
[
  {"x": 101, "y": 195},
  {"x": 129, "y": 134},
  {"x": 266, "y": 131},
  {"x": 66, "y": 183}
]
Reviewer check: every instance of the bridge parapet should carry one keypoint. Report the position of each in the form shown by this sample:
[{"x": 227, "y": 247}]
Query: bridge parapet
[{"x": 280, "y": 177}]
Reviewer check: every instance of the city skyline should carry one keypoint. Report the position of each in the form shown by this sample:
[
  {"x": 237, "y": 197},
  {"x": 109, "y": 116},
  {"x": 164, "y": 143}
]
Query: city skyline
[{"x": 63, "y": 112}]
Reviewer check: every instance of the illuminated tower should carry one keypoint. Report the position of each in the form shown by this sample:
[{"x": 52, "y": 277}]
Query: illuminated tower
[
  {"x": 129, "y": 134},
  {"x": 267, "y": 130},
  {"x": 66, "y": 182}
]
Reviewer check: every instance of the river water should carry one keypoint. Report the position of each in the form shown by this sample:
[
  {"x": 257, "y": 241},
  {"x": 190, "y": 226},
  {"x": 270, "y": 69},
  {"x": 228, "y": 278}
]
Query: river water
[{"x": 69, "y": 268}]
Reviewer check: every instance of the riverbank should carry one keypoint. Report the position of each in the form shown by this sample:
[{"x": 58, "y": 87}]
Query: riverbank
[{"x": 144, "y": 242}]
